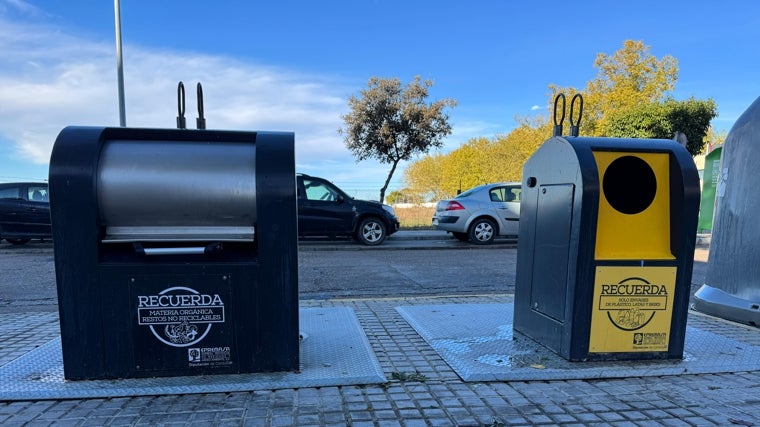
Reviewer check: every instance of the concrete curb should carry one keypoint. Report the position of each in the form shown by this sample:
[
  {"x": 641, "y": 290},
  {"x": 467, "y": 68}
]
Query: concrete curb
[
  {"x": 703, "y": 239},
  {"x": 426, "y": 240}
]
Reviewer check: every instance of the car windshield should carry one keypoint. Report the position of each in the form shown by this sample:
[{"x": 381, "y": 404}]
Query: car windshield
[{"x": 10, "y": 193}]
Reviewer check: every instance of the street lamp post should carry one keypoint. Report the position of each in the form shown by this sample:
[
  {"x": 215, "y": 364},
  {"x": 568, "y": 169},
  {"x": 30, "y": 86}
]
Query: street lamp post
[{"x": 119, "y": 64}]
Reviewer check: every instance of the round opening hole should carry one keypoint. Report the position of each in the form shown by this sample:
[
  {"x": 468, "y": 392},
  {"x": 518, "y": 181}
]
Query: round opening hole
[{"x": 629, "y": 184}]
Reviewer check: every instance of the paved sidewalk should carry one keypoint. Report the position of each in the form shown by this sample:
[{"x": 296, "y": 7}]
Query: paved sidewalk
[{"x": 422, "y": 389}]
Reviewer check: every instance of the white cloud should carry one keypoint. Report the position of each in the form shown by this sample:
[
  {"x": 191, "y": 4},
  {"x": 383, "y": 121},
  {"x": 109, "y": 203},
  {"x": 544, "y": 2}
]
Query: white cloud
[
  {"x": 19, "y": 6},
  {"x": 535, "y": 108},
  {"x": 51, "y": 80}
]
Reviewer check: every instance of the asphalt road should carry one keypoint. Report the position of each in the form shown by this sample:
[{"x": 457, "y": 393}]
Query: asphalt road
[{"x": 327, "y": 270}]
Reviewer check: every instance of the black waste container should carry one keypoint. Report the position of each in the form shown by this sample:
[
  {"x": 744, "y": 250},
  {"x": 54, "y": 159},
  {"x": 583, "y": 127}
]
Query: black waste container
[
  {"x": 606, "y": 248},
  {"x": 175, "y": 251}
]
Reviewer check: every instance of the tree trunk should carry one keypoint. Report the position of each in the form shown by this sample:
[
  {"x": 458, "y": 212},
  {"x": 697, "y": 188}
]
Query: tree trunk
[{"x": 388, "y": 180}]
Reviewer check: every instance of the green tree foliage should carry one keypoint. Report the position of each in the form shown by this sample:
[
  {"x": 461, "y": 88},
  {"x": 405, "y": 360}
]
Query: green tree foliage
[
  {"x": 662, "y": 120},
  {"x": 390, "y": 122}
]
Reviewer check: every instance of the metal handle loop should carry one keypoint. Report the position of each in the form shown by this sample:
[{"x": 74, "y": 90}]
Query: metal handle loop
[
  {"x": 181, "y": 106},
  {"x": 558, "y": 125},
  {"x": 575, "y": 126},
  {"x": 200, "y": 121}
]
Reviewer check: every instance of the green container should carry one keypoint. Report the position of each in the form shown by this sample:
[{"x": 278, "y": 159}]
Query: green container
[{"x": 709, "y": 185}]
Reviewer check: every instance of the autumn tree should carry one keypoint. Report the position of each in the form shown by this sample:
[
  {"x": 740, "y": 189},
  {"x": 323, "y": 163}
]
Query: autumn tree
[
  {"x": 628, "y": 97},
  {"x": 441, "y": 176},
  {"x": 464, "y": 167},
  {"x": 626, "y": 79},
  {"x": 478, "y": 161},
  {"x": 524, "y": 140},
  {"x": 405, "y": 195},
  {"x": 424, "y": 177},
  {"x": 715, "y": 137},
  {"x": 391, "y": 123}
]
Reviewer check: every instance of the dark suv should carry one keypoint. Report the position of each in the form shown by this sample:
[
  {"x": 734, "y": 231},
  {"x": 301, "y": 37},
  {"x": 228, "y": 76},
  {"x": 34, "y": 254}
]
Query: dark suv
[
  {"x": 324, "y": 210},
  {"x": 24, "y": 212}
]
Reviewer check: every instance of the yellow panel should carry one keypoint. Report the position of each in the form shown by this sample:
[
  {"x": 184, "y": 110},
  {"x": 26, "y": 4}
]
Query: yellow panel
[
  {"x": 633, "y": 309},
  {"x": 644, "y": 235}
]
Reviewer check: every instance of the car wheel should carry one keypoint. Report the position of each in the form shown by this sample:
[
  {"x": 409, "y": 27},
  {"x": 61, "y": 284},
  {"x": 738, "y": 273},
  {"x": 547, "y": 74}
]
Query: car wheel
[
  {"x": 461, "y": 236},
  {"x": 18, "y": 241},
  {"x": 482, "y": 231},
  {"x": 371, "y": 231}
]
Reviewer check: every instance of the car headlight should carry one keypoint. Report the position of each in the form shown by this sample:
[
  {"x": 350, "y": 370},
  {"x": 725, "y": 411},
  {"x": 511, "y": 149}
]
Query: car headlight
[{"x": 389, "y": 209}]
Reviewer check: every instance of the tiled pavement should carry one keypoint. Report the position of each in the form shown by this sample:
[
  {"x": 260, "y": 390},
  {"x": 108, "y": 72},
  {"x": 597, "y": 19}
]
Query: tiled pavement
[{"x": 422, "y": 389}]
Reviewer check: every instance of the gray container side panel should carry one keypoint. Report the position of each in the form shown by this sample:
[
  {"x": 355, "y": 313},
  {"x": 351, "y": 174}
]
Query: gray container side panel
[
  {"x": 733, "y": 265},
  {"x": 555, "y": 163},
  {"x": 525, "y": 250},
  {"x": 540, "y": 328},
  {"x": 551, "y": 256}
]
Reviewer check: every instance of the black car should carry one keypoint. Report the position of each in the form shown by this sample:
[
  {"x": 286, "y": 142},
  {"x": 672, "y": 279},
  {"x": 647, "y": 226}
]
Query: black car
[
  {"x": 24, "y": 212},
  {"x": 324, "y": 210}
]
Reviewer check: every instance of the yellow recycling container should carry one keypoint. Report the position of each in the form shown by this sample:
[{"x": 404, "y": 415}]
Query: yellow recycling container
[{"x": 606, "y": 248}]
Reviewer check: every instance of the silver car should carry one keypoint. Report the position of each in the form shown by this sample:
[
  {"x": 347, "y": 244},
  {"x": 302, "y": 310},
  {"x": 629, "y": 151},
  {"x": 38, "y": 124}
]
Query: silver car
[{"x": 481, "y": 213}]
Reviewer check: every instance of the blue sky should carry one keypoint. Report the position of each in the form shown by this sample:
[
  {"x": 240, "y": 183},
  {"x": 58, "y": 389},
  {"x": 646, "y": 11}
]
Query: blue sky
[{"x": 290, "y": 65}]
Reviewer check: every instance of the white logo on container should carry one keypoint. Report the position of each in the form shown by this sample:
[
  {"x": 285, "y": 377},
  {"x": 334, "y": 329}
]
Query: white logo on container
[{"x": 183, "y": 316}]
